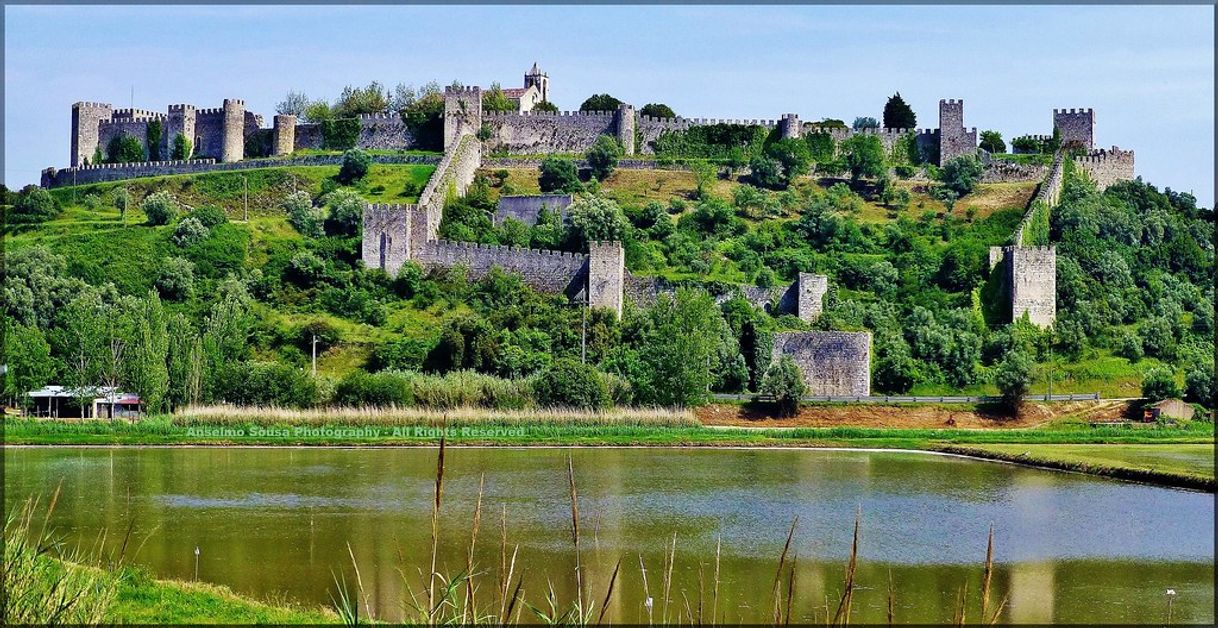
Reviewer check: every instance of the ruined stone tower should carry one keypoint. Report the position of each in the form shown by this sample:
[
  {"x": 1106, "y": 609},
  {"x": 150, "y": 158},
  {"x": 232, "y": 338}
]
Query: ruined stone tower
[
  {"x": 624, "y": 124},
  {"x": 462, "y": 113},
  {"x": 233, "y": 148},
  {"x": 1029, "y": 281},
  {"x": 789, "y": 126},
  {"x": 1077, "y": 126},
  {"x": 85, "y": 118},
  {"x": 954, "y": 139},
  {"x": 606, "y": 275},
  {"x": 285, "y": 134},
  {"x": 812, "y": 289}
]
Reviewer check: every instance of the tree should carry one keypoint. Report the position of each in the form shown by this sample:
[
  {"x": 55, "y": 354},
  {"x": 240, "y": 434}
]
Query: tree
[
  {"x": 361, "y": 100},
  {"x": 657, "y": 110},
  {"x": 785, "y": 384},
  {"x": 83, "y": 339},
  {"x": 305, "y": 218},
  {"x": 182, "y": 148},
  {"x": 864, "y": 156},
  {"x": 34, "y": 204},
  {"x": 1013, "y": 376},
  {"x": 494, "y": 99},
  {"x": 147, "y": 364},
  {"x": 152, "y": 133},
  {"x": 961, "y": 174},
  {"x": 794, "y": 156},
  {"x": 602, "y": 157},
  {"x": 593, "y": 218},
  {"x": 1159, "y": 383},
  {"x": 177, "y": 279},
  {"x": 346, "y": 212},
  {"x": 676, "y": 349},
  {"x": 546, "y": 107},
  {"x": 30, "y": 365},
  {"x": 600, "y": 102},
  {"x": 124, "y": 148},
  {"x": 865, "y": 122},
  {"x": 293, "y": 104},
  {"x": 898, "y": 114},
  {"x": 318, "y": 111},
  {"x": 355, "y": 166},
  {"x": 991, "y": 142},
  {"x": 159, "y": 207},
  {"x": 559, "y": 175},
  {"x": 210, "y": 216},
  {"x": 1199, "y": 384},
  {"x": 766, "y": 172},
  {"x": 184, "y": 363},
  {"x": 567, "y": 383},
  {"x": 225, "y": 337}
]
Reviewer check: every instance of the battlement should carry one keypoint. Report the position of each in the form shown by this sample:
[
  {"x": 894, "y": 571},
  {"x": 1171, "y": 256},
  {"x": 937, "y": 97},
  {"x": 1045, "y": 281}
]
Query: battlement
[
  {"x": 127, "y": 115},
  {"x": 1107, "y": 166},
  {"x": 438, "y": 247},
  {"x": 1079, "y": 111},
  {"x": 233, "y": 101},
  {"x": 383, "y": 115},
  {"x": 1038, "y": 138},
  {"x": 1102, "y": 155},
  {"x": 92, "y": 105},
  {"x": 182, "y": 108},
  {"x": 952, "y": 101},
  {"x": 210, "y": 111},
  {"x": 471, "y": 89}
]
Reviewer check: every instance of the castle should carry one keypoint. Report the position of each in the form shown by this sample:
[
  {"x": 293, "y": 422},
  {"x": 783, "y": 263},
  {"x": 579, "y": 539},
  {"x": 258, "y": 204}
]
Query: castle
[{"x": 833, "y": 363}]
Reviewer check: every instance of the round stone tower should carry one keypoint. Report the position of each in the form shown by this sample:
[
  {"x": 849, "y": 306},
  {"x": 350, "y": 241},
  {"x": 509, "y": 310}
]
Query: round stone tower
[{"x": 234, "y": 130}]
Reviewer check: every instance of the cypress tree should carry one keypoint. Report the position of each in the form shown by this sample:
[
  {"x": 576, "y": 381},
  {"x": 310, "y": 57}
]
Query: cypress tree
[{"x": 898, "y": 114}]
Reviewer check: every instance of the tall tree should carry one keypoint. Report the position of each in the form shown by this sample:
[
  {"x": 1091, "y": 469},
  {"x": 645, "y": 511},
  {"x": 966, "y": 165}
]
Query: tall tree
[
  {"x": 600, "y": 102},
  {"x": 30, "y": 365},
  {"x": 898, "y": 114},
  {"x": 147, "y": 365}
]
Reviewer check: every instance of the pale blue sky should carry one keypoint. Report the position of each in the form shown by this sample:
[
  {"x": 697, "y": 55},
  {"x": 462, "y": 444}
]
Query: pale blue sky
[{"x": 1148, "y": 72}]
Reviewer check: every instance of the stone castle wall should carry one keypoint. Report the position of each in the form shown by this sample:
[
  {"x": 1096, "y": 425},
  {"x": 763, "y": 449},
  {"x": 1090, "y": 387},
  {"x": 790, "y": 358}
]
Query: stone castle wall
[
  {"x": 526, "y": 209},
  {"x": 547, "y": 271},
  {"x": 53, "y": 178},
  {"x": 833, "y": 363},
  {"x": 1106, "y": 167},
  {"x": 540, "y": 132},
  {"x": 1032, "y": 277}
]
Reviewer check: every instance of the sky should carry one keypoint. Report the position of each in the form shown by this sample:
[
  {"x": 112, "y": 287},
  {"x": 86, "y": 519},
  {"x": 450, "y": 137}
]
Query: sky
[{"x": 1147, "y": 71}]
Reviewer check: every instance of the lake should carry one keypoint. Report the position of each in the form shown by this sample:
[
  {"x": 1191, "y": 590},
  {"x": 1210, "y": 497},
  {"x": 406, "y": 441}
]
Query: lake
[{"x": 276, "y": 522}]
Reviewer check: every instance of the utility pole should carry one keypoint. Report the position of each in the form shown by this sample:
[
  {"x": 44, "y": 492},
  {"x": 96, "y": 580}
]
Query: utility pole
[
  {"x": 315, "y": 355},
  {"x": 583, "y": 334}
]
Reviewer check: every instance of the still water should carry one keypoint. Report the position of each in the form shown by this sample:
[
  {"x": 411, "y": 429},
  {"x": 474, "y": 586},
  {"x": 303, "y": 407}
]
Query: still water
[{"x": 275, "y": 522}]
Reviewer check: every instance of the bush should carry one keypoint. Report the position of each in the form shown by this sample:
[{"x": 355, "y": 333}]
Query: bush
[
  {"x": 559, "y": 175},
  {"x": 160, "y": 208},
  {"x": 657, "y": 110},
  {"x": 399, "y": 354},
  {"x": 124, "y": 148},
  {"x": 182, "y": 148},
  {"x": 1013, "y": 376},
  {"x": 1159, "y": 383},
  {"x": 190, "y": 231},
  {"x": 600, "y": 102},
  {"x": 34, "y": 204},
  {"x": 177, "y": 279},
  {"x": 766, "y": 173},
  {"x": 360, "y": 389},
  {"x": 569, "y": 384},
  {"x": 346, "y": 212},
  {"x": 91, "y": 201},
  {"x": 355, "y": 166},
  {"x": 785, "y": 384},
  {"x": 468, "y": 389},
  {"x": 267, "y": 384},
  {"x": 306, "y": 219},
  {"x": 961, "y": 174},
  {"x": 1129, "y": 346},
  {"x": 602, "y": 157},
  {"x": 210, "y": 216}
]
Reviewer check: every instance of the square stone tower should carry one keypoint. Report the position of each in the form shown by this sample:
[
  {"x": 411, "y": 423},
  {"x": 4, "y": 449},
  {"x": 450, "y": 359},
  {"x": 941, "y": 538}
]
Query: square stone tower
[
  {"x": 462, "y": 113},
  {"x": 811, "y": 302},
  {"x": 181, "y": 120},
  {"x": 85, "y": 118},
  {"x": 1077, "y": 126},
  {"x": 606, "y": 275},
  {"x": 954, "y": 139}
]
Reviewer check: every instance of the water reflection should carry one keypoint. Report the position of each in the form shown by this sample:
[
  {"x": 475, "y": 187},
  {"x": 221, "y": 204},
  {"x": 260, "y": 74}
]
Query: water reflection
[{"x": 277, "y": 521}]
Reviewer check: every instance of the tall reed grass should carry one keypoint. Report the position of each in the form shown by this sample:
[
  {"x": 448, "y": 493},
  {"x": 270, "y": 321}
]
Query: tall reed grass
[{"x": 456, "y": 417}]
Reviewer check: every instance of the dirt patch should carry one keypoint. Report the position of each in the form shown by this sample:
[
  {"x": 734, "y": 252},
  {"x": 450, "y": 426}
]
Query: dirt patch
[{"x": 911, "y": 416}]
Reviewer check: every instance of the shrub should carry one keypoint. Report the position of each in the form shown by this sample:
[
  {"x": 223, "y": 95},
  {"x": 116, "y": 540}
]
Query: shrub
[
  {"x": 355, "y": 166},
  {"x": 1159, "y": 383},
  {"x": 657, "y": 110},
  {"x": 785, "y": 384},
  {"x": 593, "y": 218},
  {"x": 374, "y": 389},
  {"x": 961, "y": 174},
  {"x": 210, "y": 215},
  {"x": 190, "y": 231},
  {"x": 305, "y": 269},
  {"x": 991, "y": 141},
  {"x": 558, "y": 175},
  {"x": 1129, "y": 346},
  {"x": 119, "y": 198},
  {"x": 600, "y": 102},
  {"x": 399, "y": 354},
  {"x": 160, "y": 208},
  {"x": 91, "y": 201},
  {"x": 346, "y": 212},
  {"x": 34, "y": 204},
  {"x": 468, "y": 389},
  {"x": 267, "y": 384},
  {"x": 152, "y": 133},
  {"x": 568, "y": 383},
  {"x": 602, "y": 157},
  {"x": 306, "y": 219},
  {"x": 1013, "y": 376},
  {"x": 177, "y": 279},
  {"x": 766, "y": 173},
  {"x": 323, "y": 331}
]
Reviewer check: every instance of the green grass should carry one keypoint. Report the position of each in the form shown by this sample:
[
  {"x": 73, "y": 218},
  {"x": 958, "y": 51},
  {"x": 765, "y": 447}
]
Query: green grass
[
  {"x": 143, "y": 600},
  {"x": 1189, "y": 465}
]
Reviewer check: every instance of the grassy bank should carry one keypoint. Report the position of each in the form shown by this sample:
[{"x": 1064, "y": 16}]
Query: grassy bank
[{"x": 1183, "y": 465}]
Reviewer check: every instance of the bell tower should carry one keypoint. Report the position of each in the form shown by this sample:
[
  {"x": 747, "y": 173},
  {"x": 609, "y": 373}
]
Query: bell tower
[{"x": 536, "y": 77}]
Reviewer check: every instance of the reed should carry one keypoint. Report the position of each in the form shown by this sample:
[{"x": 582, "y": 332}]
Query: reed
[{"x": 227, "y": 415}]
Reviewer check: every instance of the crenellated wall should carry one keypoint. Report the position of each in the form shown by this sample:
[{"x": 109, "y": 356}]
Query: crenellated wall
[
  {"x": 1106, "y": 167},
  {"x": 543, "y": 132},
  {"x": 526, "y": 209},
  {"x": 1077, "y": 126},
  {"x": 954, "y": 139},
  {"x": 548, "y": 271},
  {"x": 833, "y": 363}
]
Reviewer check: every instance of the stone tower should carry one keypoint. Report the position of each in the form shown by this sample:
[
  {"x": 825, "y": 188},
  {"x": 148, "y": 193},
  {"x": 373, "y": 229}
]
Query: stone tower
[
  {"x": 233, "y": 148},
  {"x": 790, "y": 126},
  {"x": 85, "y": 118},
  {"x": 1077, "y": 126},
  {"x": 285, "y": 134},
  {"x": 181, "y": 120},
  {"x": 811, "y": 296},
  {"x": 606, "y": 275},
  {"x": 462, "y": 113},
  {"x": 624, "y": 123},
  {"x": 954, "y": 139},
  {"x": 536, "y": 77}
]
